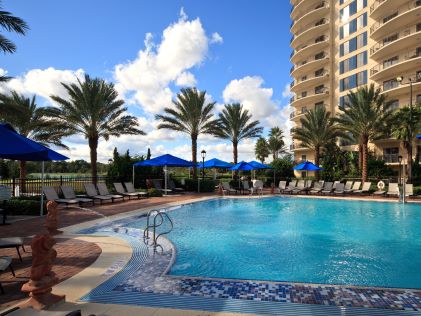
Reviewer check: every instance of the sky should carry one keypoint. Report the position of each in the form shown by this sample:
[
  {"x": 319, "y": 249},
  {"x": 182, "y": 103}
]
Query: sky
[{"x": 235, "y": 50}]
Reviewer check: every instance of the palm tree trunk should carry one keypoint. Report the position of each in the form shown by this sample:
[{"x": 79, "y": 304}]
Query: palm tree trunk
[
  {"x": 360, "y": 157},
  {"x": 93, "y": 145},
  {"x": 235, "y": 154},
  {"x": 409, "y": 153},
  {"x": 194, "y": 154},
  {"x": 22, "y": 175},
  {"x": 364, "y": 167},
  {"x": 316, "y": 161}
]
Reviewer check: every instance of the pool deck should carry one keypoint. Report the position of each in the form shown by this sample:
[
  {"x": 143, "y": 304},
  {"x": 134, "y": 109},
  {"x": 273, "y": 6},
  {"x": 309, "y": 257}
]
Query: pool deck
[{"x": 280, "y": 297}]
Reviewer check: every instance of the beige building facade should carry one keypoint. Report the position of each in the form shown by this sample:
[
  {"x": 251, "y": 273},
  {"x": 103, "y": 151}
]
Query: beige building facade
[{"x": 339, "y": 45}]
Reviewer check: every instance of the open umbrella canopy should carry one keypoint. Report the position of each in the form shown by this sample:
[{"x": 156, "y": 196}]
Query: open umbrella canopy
[
  {"x": 17, "y": 147},
  {"x": 419, "y": 136},
  {"x": 258, "y": 165},
  {"x": 242, "y": 166},
  {"x": 165, "y": 160},
  {"x": 307, "y": 166},
  {"x": 215, "y": 163}
]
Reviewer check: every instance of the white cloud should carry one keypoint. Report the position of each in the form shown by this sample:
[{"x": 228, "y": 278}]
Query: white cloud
[
  {"x": 146, "y": 79},
  {"x": 216, "y": 38},
  {"x": 250, "y": 92},
  {"x": 42, "y": 82},
  {"x": 287, "y": 92}
]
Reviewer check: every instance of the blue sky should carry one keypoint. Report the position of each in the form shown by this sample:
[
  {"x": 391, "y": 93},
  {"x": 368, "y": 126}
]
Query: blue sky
[{"x": 235, "y": 50}]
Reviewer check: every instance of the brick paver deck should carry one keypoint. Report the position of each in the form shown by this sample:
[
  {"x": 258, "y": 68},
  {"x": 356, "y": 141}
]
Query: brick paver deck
[{"x": 72, "y": 255}]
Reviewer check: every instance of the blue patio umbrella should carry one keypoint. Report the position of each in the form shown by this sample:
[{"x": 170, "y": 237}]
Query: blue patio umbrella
[
  {"x": 258, "y": 166},
  {"x": 17, "y": 147},
  {"x": 164, "y": 161},
  {"x": 242, "y": 166},
  {"x": 307, "y": 166},
  {"x": 419, "y": 136},
  {"x": 215, "y": 163}
]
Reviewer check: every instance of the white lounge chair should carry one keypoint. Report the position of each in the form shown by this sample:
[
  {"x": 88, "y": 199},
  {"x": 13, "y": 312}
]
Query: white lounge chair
[
  {"x": 226, "y": 188},
  {"x": 103, "y": 191},
  {"x": 409, "y": 189},
  {"x": 328, "y": 188},
  {"x": 291, "y": 186},
  {"x": 257, "y": 187},
  {"x": 130, "y": 189},
  {"x": 120, "y": 190},
  {"x": 348, "y": 185},
  {"x": 317, "y": 188},
  {"x": 69, "y": 193},
  {"x": 301, "y": 186},
  {"x": 246, "y": 187},
  {"x": 52, "y": 195},
  {"x": 393, "y": 189},
  {"x": 282, "y": 186},
  {"x": 365, "y": 189},
  {"x": 339, "y": 188},
  {"x": 355, "y": 187},
  {"x": 158, "y": 186}
]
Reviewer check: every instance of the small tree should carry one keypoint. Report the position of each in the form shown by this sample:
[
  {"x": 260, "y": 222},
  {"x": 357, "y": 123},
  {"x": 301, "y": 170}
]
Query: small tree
[{"x": 261, "y": 150}]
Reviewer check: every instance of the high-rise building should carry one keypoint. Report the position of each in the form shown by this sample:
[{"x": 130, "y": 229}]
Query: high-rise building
[{"x": 339, "y": 45}]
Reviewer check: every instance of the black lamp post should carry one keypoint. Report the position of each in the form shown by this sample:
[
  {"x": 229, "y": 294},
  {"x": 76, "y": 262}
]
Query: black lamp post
[
  {"x": 400, "y": 161},
  {"x": 203, "y": 153}
]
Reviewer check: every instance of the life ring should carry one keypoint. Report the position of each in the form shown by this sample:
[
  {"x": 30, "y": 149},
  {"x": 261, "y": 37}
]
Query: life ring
[{"x": 380, "y": 185}]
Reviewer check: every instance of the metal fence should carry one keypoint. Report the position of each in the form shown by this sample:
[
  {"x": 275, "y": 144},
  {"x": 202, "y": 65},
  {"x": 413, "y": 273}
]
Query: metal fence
[{"x": 32, "y": 186}]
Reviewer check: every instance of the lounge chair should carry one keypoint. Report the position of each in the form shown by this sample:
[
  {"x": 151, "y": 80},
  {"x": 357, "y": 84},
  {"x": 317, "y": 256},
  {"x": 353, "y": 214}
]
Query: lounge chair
[
  {"x": 291, "y": 186},
  {"x": 348, "y": 186},
  {"x": 393, "y": 189},
  {"x": 365, "y": 189},
  {"x": 5, "y": 262},
  {"x": 69, "y": 194},
  {"x": 51, "y": 195},
  {"x": 282, "y": 186},
  {"x": 309, "y": 184},
  {"x": 340, "y": 187},
  {"x": 157, "y": 185},
  {"x": 226, "y": 188},
  {"x": 317, "y": 188},
  {"x": 120, "y": 190},
  {"x": 301, "y": 186},
  {"x": 409, "y": 189},
  {"x": 103, "y": 190},
  {"x": 328, "y": 188},
  {"x": 130, "y": 189},
  {"x": 12, "y": 242},
  {"x": 257, "y": 187},
  {"x": 93, "y": 193},
  {"x": 173, "y": 187},
  {"x": 355, "y": 187},
  {"x": 246, "y": 187}
]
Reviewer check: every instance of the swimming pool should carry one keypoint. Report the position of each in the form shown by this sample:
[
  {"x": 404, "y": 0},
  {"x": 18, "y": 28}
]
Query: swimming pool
[{"x": 298, "y": 240}]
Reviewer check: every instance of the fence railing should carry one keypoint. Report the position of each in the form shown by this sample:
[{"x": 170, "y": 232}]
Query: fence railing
[{"x": 32, "y": 186}]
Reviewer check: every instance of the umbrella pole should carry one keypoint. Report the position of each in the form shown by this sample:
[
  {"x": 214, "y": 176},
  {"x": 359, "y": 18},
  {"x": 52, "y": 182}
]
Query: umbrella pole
[
  {"x": 165, "y": 179},
  {"x": 133, "y": 176},
  {"x": 42, "y": 189}
]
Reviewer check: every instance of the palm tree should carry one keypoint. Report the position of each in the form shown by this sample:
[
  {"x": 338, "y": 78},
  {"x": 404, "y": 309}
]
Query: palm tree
[
  {"x": 404, "y": 128},
  {"x": 235, "y": 124},
  {"x": 316, "y": 132},
  {"x": 192, "y": 115},
  {"x": 261, "y": 150},
  {"x": 10, "y": 23},
  {"x": 276, "y": 142},
  {"x": 29, "y": 120},
  {"x": 93, "y": 110},
  {"x": 366, "y": 116}
]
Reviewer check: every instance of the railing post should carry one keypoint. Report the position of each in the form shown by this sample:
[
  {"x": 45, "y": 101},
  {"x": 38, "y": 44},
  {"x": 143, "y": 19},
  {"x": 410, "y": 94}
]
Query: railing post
[{"x": 61, "y": 180}]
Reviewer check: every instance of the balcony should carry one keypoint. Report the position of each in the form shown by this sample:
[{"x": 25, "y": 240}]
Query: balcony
[
  {"x": 311, "y": 81},
  {"x": 311, "y": 17},
  {"x": 304, "y": 100},
  {"x": 407, "y": 62},
  {"x": 308, "y": 67},
  {"x": 296, "y": 147},
  {"x": 310, "y": 33},
  {"x": 407, "y": 14},
  {"x": 302, "y": 7},
  {"x": 389, "y": 158},
  {"x": 405, "y": 39},
  {"x": 394, "y": 89},
  {"x": 306, "y": 51}
]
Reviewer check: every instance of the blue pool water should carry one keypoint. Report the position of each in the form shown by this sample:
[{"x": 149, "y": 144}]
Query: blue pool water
[{"x": 298, "y": 239}]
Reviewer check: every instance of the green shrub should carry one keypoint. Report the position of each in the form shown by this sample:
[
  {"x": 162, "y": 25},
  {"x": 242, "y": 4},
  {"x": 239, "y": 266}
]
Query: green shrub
[
  {"x": 18, "y": 206},
  {"x": 417, "y": 190},
  {"x": 205, "y": 186},
  {"x": 154, "y": 192}
]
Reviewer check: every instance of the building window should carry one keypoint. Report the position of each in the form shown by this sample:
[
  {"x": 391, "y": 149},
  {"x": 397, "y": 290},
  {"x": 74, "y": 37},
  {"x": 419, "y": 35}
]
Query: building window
[
  {"x": 344, "y": 101},
  {"x": 303, "y": 157},
  {"x": 353, "y": 62},
  {"x": 351, "y": 9},
  {"x": 390, "y": 84},
  {"x": 391, "y": 154},
  {"x": 319, "y": 89},
  {"x": 353, "y": 44},
  {"x": 353, "y": 81},
  {"x": 418, "y": 99},
  {"x": 319, "y": 56},
  {"x": 418, "y": 76},
  {"x": 353, "y": 26},
  {"x": 319, "y": 72},
  {"x": 319, "y": 105},
  {"x": 418, "y": 27},
  {"x": 391, "y": 61},
  {"x": 393, "y": 105},
  {"x": 320, "y": 39},
  {"x": 389, "y": 17},
  {"x": 303, "y": 94},
  {"x": 390, "y": 39}
]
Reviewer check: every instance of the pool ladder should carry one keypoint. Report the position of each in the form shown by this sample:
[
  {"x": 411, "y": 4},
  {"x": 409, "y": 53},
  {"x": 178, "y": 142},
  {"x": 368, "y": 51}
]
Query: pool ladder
[{"x": 155, "y": 219}]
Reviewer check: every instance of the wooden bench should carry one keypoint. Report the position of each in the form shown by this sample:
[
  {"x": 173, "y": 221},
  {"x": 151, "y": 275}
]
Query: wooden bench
[{"x": 5, "y": 262}]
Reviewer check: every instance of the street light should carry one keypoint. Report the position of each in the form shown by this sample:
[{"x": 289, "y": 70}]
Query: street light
[{"x": 203, "y": 163}]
